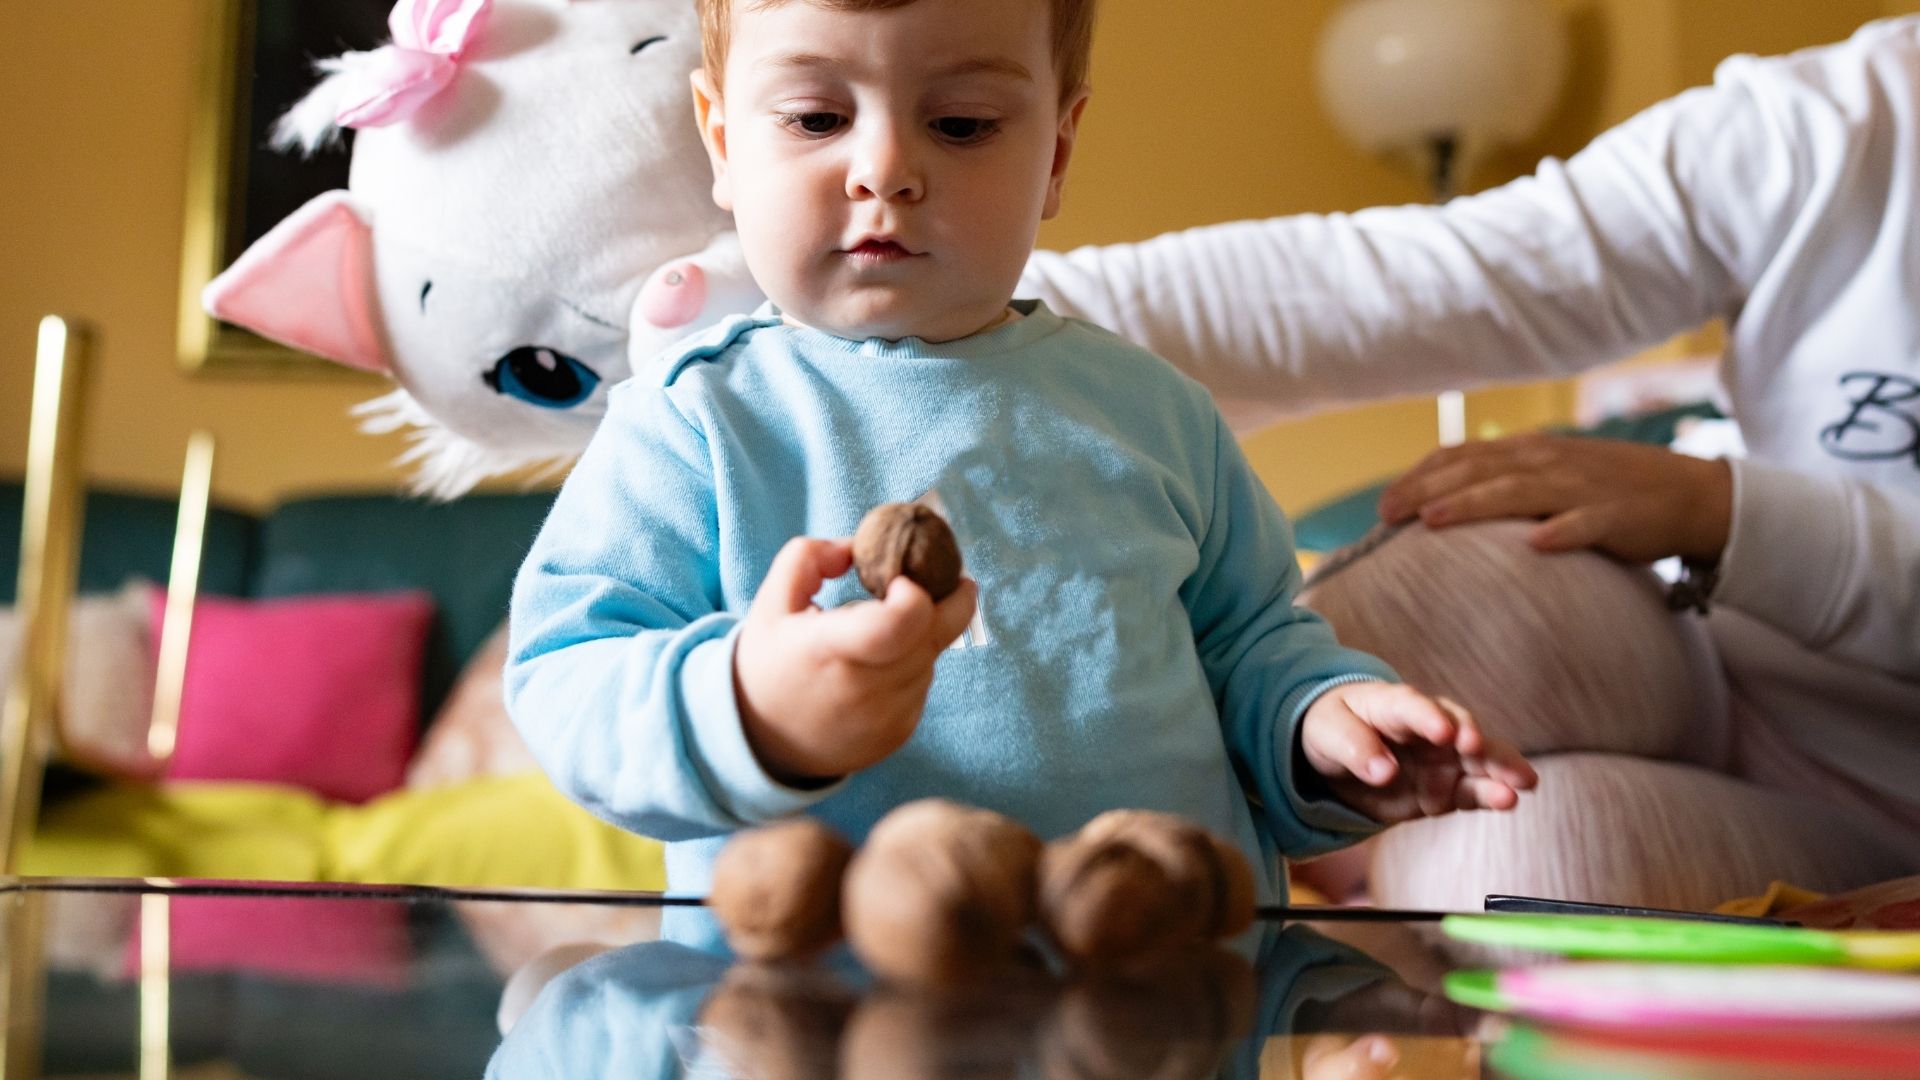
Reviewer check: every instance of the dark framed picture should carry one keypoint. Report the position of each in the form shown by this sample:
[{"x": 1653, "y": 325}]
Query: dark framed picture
[{"x": 258, "y": 61}]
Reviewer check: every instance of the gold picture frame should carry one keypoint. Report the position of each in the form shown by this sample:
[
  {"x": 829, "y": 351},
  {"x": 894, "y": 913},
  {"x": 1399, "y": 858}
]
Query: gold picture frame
[{"x": 226, "y": 144}]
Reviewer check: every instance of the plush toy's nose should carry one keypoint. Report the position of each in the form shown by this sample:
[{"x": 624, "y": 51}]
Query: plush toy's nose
[{"x": 674, "y": 296}]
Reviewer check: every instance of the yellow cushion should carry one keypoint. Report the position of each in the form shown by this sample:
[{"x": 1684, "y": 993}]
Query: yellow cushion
[
  {"x": 496, "y": 830},
  {"x": 189, "y": 829},
  {"x": 492, "y": 831}
]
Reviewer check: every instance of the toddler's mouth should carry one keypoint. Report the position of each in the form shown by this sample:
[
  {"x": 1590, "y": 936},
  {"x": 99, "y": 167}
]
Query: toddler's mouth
[{"x": 877, "y": 250}]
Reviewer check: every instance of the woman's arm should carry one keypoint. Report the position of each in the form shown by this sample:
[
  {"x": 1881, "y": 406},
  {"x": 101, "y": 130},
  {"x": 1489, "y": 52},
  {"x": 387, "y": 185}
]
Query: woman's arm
[
  {"x": 1650, "y": 231},
  {"x": 1832, "y": 561}
]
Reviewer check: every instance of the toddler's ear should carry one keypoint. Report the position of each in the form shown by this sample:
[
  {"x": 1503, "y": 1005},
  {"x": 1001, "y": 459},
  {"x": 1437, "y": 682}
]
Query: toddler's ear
[
  {"x": 711, "y": 114},
  {"x": 1063, "y": 150}
]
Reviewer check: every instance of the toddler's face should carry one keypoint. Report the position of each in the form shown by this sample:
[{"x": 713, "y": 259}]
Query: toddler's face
[{"x": 888, "y": 170}]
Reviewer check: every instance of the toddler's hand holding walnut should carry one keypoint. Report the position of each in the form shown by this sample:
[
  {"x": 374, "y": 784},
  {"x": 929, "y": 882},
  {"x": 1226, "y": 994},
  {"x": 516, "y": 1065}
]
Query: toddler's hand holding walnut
[
  {"x": 827, "y": 693},
  {"x": 1395, "y": 754}
]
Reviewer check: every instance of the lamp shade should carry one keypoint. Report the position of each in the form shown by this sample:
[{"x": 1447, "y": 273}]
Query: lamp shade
[{"x": 1396, "y": 75}]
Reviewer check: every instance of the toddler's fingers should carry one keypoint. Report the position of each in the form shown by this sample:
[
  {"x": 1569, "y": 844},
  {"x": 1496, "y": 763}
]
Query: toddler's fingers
[
  {"x": 1503, "y": 762},
  {"x": 1405, "y": 715},
  {"x": 1483, "y": 793},
  {"x": 1340, "y": 742},
  {"x": 802, "y": 566},
  {"x": 1467, "y": 738},
  {"x": 1333, "y": 1057},
  {"x": 952, "y": 615},
  {"x": 879, "y": 631},
  {"x": 1436, "y": 774},
  {"x": 1489, "y": 755}
]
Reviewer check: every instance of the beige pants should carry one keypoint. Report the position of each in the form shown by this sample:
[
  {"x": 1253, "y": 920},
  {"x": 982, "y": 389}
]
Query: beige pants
[{"x": 1736, "y": 811}]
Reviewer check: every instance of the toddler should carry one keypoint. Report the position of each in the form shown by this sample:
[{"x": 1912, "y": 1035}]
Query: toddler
[{"x": 685, "y": 667}]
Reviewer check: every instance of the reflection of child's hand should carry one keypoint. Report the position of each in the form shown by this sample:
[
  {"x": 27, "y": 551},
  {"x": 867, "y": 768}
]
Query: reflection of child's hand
[
  {"x": 1385, "y": 1057},
  {"x": 1395, "y": 754},
  {"x": 826, "y": 693}
]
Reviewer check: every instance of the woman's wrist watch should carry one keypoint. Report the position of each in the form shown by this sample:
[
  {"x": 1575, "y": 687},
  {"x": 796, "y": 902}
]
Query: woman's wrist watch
[{"x": 1698, "y": 579}]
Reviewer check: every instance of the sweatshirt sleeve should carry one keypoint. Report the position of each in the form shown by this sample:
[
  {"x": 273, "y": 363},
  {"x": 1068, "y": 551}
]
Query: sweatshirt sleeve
[
  {"x": 1658, "y": 226},
  {"x": 1831, "y": 561},
  {"x": 620, "y": 663},
  {"x": 1266, "y": 658}
]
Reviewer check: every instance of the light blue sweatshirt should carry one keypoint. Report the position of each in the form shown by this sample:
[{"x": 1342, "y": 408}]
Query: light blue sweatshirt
[{"x": 1141, "y": 647}]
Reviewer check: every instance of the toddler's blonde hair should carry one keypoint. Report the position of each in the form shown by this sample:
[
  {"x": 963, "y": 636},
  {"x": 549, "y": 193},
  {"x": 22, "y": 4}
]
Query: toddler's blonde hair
[{"x": 1072, "y": 34}]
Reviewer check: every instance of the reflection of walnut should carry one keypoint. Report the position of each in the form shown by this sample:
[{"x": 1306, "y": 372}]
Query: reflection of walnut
[
  {"x": 776, "y": 889},
  {"x": 777, "y": 1023},
  {"x": 1133, "y": 886},
  {"x": 941, "y": 893},
  {"x": 906, "y": 539},
  {"x": 1178, "y": 1023},
  {"x": 985, "y": 1031}
]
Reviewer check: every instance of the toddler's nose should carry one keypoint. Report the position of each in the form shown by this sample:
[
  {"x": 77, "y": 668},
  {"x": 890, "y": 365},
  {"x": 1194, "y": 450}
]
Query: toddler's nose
[{"x": 885, "y": 168}]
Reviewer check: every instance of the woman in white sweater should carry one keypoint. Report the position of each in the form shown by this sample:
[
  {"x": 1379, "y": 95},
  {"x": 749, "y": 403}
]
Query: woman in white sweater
[{"x": 1784, "y": 198}]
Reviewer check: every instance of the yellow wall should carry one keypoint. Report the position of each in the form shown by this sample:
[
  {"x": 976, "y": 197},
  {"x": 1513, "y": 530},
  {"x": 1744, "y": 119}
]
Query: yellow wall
[
  {"x": 1715, "y": 29},
  {"x": 1203, "y": 113}
]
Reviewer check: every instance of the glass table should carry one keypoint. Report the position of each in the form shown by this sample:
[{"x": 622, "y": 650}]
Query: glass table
[{"x": 222, "y": 980}]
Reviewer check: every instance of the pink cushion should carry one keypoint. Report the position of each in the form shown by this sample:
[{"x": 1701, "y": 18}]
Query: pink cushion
[
  {"x": 358, "y": 942},
  {"x": 320, "y": 692}
]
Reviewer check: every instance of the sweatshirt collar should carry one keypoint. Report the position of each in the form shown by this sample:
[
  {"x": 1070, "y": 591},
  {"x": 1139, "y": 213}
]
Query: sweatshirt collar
[{"x": 1037, "y": 321}]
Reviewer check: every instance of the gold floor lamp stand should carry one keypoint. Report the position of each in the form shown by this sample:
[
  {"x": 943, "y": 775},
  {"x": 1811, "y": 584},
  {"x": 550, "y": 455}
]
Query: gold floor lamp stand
[{"x": 49, "y": 568}]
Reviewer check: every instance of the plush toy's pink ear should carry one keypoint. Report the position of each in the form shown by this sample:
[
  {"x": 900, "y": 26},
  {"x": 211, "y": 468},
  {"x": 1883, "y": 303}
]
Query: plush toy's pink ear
[{"x": 309, "y": 284}]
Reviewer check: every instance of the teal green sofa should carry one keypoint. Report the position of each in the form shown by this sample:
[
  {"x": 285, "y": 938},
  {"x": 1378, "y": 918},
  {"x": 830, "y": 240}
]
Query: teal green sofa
[
  {"x": 481, "y": 831},
  {"x": 464, "y": 553}
]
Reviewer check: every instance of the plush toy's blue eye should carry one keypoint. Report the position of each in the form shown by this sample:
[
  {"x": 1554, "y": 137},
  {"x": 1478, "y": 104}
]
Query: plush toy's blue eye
[{"x": 543, "y": 377}]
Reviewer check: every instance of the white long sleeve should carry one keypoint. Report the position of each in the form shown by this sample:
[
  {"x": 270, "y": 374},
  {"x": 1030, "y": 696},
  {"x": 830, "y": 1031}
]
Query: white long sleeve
[
  {"x": 1581, "y": 263},
  {"x": 1831, "y": 561},
  {"x": 1783, "y": 198}
]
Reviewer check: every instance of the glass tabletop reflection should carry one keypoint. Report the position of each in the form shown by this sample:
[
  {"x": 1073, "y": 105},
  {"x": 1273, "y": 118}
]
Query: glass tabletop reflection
[{"x": 219, "y": 979}]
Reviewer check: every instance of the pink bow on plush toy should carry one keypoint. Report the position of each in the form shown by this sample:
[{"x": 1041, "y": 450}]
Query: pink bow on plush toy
[{"x": 429, "y": 39}]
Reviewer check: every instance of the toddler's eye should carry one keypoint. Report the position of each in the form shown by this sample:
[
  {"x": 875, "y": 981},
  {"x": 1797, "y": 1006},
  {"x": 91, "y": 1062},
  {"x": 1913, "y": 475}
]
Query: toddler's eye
[
  {"x": 965, "y": 129},
  {"x": 812, "y": 124}
]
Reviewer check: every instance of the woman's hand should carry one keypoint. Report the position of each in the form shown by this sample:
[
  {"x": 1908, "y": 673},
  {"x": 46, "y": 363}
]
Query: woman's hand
[{"x": 1641, "y": 503}]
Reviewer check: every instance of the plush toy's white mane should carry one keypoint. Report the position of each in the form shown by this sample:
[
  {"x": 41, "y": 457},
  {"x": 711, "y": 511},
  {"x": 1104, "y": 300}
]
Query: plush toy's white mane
[
  {"x": 312, "y": 125},
  {"x": 445, "y": 464},
  {"x": 500, "y": 216}
]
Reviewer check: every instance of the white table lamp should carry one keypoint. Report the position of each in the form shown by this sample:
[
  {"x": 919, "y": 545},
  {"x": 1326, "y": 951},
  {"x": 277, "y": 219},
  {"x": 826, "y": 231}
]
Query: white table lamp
[{"x": 1439, "y": 84}]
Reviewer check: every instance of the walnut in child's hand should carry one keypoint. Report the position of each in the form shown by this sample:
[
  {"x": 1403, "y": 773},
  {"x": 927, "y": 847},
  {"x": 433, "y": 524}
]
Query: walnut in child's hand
[
  {"x": 825, "y": 693},
  {"x": 1395, "y": 754},
  {"x": 906, "y": 540}
]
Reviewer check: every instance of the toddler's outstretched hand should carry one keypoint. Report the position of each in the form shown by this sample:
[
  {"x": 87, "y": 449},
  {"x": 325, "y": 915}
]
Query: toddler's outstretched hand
[
  {"x": 1395, "y": 754},
  {"x": 827, "y": 693}
]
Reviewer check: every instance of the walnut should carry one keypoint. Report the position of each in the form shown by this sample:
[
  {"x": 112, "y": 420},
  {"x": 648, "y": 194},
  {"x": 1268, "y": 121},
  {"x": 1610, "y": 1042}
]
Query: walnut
[
  {"x": 1133, "y": 887},
  {"x": 941, "y": 894},
  {"x": 776, "y": 889},
  {"x": 909, "y": 539}
]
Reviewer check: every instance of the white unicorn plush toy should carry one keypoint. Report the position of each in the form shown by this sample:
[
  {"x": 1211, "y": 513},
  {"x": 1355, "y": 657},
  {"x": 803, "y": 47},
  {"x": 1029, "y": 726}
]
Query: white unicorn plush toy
[{"x": 528, "y": 216}]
